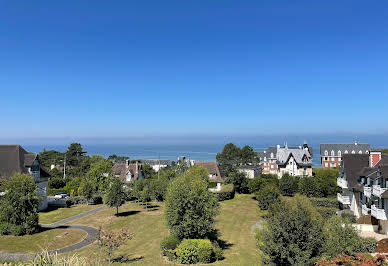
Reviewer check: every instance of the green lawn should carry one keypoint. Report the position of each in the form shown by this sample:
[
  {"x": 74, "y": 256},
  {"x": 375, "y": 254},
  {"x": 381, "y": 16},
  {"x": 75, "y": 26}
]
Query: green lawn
[
  {"x": 47, "y": 240},
  {"x": 52, "y": 216},
  {"x": 234, "y": 223}
]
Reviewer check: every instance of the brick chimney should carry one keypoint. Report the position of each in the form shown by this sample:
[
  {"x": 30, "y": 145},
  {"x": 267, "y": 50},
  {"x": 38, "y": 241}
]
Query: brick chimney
[{"x": 374, "y": 158}]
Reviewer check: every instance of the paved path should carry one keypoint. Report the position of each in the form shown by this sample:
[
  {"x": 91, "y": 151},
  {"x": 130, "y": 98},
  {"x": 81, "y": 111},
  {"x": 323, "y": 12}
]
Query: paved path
[{"x": 92, "y": 234}]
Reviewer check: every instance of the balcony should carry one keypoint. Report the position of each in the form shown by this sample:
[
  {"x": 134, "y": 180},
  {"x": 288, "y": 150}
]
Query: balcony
[
  {"x": 343, "y": 199},
  {"x": 368, "y": 192},
  {"x": 378, "y": 213},
  {"x": 377, "y": 190},
  {"x": 365, "y": 210},
  {"x": 342, "y": 183}
]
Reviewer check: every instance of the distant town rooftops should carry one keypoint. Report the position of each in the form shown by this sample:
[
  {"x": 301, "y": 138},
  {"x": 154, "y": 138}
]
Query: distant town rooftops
[
  {"x": 333, "y": 149},
  {"x": 155, "y": 161}
]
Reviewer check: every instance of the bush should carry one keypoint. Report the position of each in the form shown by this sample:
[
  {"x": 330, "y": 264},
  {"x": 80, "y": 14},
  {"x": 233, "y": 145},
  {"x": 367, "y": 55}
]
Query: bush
[
  {"x": 256, "y": 184},
  {"x": 169, "y": 243},
  {"x": 226, "y": 193},
  {"x": 325, "y": 202},
  {"x": 54, "y": 191},
  {"x": 56, "y": 182},
  {"x": 349, "y": 217},
  {"x": 75, "y": 200},
  {"x": 32, "y": 224},
  {"x": 3, "y": 228},
  {"x": 293, "y": 234},
  {"x": 267, "y": 196},
  {"x": 16, "y": 230},
  {"x": 96, "y": 199},
  {"x": 326, "y": 213},
  {"x": 309, "y": 186},
  {"x": 239, "y": 180},
  {"x": 192, "y": 251},
  {"x": 366, "y": 245},
  {"x": 288, "y": 185},
  {"x": 218, "y": 253}
]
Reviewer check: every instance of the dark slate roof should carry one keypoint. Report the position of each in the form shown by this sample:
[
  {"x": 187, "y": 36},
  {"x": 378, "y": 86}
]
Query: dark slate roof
[
  {"x": 344, "y": 147},
  {"x": 372, "y": 171},
  {"x": 352, "y": 165},
  {"x": 14, "y": 159},
  {"x": 267, "y": 153}
]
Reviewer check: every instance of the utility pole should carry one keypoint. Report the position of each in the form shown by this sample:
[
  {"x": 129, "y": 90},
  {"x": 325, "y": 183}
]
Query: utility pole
[
  {"x": 64, "y": 167},
  {"x": 159, "y": 166}
]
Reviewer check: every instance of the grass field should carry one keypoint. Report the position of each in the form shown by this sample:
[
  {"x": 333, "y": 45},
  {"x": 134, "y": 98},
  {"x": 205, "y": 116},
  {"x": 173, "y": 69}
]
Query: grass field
[
  {"x": 50, "y": 240},
  {"x": 52, "y": 216},
  {"x": 149, "y": 227}
]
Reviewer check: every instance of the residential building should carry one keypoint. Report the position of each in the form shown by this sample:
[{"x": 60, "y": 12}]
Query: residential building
[
  {"x": 128, "y": 171},
  {"x": 214, "y": 173},
  {"x": 268, "y": 161},
  {"x": 364, "y": 183},
  {"x": 14, "y": 159},
  {"x": 331, "y": 154},
  {"x": 184, "y": 159},
  {"x": 251, "y": 171},
  {"x": 295, "y": 161},
  {"x": 156, "y": 164}
]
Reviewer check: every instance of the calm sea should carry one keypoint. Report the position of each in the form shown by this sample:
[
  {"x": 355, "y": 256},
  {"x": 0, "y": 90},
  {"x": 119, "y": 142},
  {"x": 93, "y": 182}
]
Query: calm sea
[{"x": 202, "y": 152}]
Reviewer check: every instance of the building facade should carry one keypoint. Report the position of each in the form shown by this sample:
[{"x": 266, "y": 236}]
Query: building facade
[
  {"x": 331, "y": 154},
  {"x": 128, "y": 171}
]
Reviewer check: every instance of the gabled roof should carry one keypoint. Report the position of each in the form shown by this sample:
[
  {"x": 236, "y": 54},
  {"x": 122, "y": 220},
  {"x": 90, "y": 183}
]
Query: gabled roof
[
  {"x": 351, "y": 165},
  {"x": 122, "y": 169},
  {"x": 344, "y": 147},
  {"x": 212, "y": 168},
  {"x": 284, "y": 154},
  {"x": 15, "y": 159},
  {"x": 267, "y": 153}
]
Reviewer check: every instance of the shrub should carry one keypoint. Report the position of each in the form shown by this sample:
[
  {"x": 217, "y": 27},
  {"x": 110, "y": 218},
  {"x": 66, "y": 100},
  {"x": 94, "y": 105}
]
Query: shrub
[
  {"x": 309, "y": 187},
  {"x": 169, "y": 243},
  {"x": 192, "y": 251},
  {"x": 16, "y": 230},
  {"x": 190, "y": 207},
  {"x": 326, "y": 213},
  {"x": 293, "y": 235},
  {"x": 267, "y": 196},
  {"x": 226, "y": 193},
  {"x": 54, "y": 191},
  {"x": 96, "y": 199},
  {"x": 56, "y": 182},
  {"x": 47, "y": 259},
  {"x": 76, "y": 200},
  {"x": 239, "y": 180},
  {"x": 366, "y": 245},
  {"x": 351, "y": 218},
  {"x": 218, "y": 253},
  {"x": 288, "y": 185},
  {"x": 325, "y": 202},
  {"x": 256, "y": 184},
  {"x": 3, "y": 228}
]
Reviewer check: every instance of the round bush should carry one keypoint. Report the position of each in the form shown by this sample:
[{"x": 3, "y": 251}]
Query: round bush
[
  {"x": 169, "y": 243},
  {"x": 205, "y": 251},
  {"x": 267, "y": 196},
  {"x": 192, "y": 251}
]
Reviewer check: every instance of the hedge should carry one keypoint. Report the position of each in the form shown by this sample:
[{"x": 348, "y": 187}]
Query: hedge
[
  {"x": 325, "y": 202},
  {"x": 227, "y": 192}
]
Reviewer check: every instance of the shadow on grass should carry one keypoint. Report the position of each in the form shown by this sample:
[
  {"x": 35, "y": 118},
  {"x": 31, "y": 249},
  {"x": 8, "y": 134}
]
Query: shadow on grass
[
  {"x": 125, "y": 214},
  {"x": 51, "y": 208},
  {"x": 43, "y": 229},
  {"x": 216, "y": 236},
  {"x": 126, "y": 259}
]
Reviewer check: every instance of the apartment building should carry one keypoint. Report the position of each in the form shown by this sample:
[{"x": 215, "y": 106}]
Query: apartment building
[{"x": 331, "y": 154}]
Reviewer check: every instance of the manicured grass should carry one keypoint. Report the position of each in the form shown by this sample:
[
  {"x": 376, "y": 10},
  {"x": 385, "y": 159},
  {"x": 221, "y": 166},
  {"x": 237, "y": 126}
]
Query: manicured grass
[
  {"x": 149, "y": 227},
  {"x": 52, "y": 216},
  {"x": 47, "y": 240}
]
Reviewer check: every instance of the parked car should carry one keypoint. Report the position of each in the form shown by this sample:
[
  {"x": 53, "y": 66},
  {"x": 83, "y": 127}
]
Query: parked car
[{"x": 61, "y": 195}]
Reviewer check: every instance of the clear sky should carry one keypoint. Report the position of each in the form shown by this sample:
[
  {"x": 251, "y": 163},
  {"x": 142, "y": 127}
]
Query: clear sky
[{"x": 149, "y": 68}]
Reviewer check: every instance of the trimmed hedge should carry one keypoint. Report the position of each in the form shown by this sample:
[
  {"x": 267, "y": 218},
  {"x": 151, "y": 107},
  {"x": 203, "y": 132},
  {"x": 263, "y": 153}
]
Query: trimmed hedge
[{"x": 227, "y": 192}]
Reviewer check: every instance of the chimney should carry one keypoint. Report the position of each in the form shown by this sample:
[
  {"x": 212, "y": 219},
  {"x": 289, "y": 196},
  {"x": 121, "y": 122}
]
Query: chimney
[
  {"x": 374, "y": 158},
  {"x": 277, "y": 147},
  {"x": 127, "y": 163}
]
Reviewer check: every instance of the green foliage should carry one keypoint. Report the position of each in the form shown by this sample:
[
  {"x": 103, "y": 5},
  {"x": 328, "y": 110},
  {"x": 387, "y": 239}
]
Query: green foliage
[
  {"x": 158, "y": 188},
  {"x": 309, "y": 186},
  {"x": 148, "y": 171},
  {"x": 117, "y": 159},
  {"x": 327, "y": 181},
  {"x": 199, "y": 172},
  {"x": 51, "y": 157},
  {"x": 56, "y": 182},
  {"x": 18, "y": 207},
  {"x": 87, "y": 190},
  {"x": 190, "y": 207},
  {"x": 384, "y": 151},
  {"x": 99, "y": 174},
  {"x": 229, "y": 158},
  {"x": 73, "y": 185},
  {"x": 169, "y": 243},
  {"x": 293, "y": 235},
  {"x": 46, "y": 258},
  {"x": 342, "y": 238},
  {"x": 325, "y": 202},
  {"x": 267, "y": 196},
  {"x": 54, "y": 191},
  {"x": 349, "y": 217},
  {"x": 326, "y": 213},
  {"x": 288, "y": 185},
  {"x": 256, "y": 184},
  {"x": 115, "y": 195},
  {"x": 192, "y": 251},
  {"x": 57, "y": 173},
  {"x": 239, "y": 180},
  {"x": 137, "y": 189},
  {"x": 249, "y": 156},
  {"x": 226, "y": 192}
]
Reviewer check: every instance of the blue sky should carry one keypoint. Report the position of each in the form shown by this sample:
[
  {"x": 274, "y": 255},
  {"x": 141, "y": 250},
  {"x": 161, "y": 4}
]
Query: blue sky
[{"x": 165, "y": 68}]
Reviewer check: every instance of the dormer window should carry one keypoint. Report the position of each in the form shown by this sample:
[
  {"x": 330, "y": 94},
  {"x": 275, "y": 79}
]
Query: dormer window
[
  {"x": 332, "y": 153},
  {"x": 271, "y": 154},
  {"x": 346, "y": 152},
  {"x": 326, "y": 153},
  {"x": 353, "y": 152},
  {"x": 360, "y": 152},
  {"x": 339, "y": 153}
]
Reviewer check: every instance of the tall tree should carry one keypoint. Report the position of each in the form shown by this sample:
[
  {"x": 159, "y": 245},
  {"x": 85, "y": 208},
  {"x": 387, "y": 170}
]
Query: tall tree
[
  {"x": 115, "y": 195},
  {"x": 99, "y": 174},
  {"x": 249, "y": 156},
  {"x": 229, "y": 158}
]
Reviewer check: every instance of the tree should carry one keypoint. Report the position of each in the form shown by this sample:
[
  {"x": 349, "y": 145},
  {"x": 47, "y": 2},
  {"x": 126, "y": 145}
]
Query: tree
[
  {"x": 87, "y": 190},
  {"x": 229, "y": 158},
  {"x": 294, "y": 233},
  {"x": 239, "y": 180},
  {"x": 309, "y": 187},
  {"x": 249, "y": 156},
  {"x": 51, "y": 157},
  {"x": 190, "y": 207},
  {"x": 19, "y": 205},
  {"x": 115, "y": 194},
  {"x": 256, "y": 184},
  {"x": 199, "y": 172},
  {"x": 76, "y": 163},
  {"x": 99, "y": 174},
  {"x": 56, "y": 182},
  {"x": 327, "y": 181},
  {"x": 109, "y": 241},
  {"x": 117, "y": 159},
  {"x": 267, "y": 196},
  {"x": 288, "y": 185},
  {"x": 148, "y": 171}
]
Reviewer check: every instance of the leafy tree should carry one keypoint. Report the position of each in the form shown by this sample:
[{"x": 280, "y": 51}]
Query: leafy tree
[
  {"x": 249, "y": 156},
  {"x": 57, "y": 173},
  {"x": 87, "y": 190},
  {"x": 148, "y": 171},
  {"x": 267, "y": 196},
  {"x": 99, "y": 174},
  {"x": 229, "y": 158},
  {"x": 145, "y": 196},
  {"x": 200, "y": 172},
  {"x": 288, "y": 185},
  {"x": 117, "y": 159},
  {"x": 138, "y": 187},
  {"x": 56, "y": 182},
  {"x": 73, "y": 186},
  {"x": 327, "y": 181},
  {"x": 19, "y": 205},
  {"x": 115, "y": 195},
  {"x": 294, "y": 233},
  {"x": 239, "y": 180},
  {"x": 190, "y": 207},
  {"x": 309, "y": 187},
  {"x": 256, "y": 184},
  {"x": 74, "y": 154},
  {"x": 50, "y": 157},
  {"x": 158, "y": 187}
]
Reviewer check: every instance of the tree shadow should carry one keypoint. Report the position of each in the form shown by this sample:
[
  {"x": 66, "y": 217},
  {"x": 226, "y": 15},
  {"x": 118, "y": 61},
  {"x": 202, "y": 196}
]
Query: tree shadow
[
  {"x": 126, "y": 259},
  {"x": 127, "y": 213},
  {"x": 44, "y": 229},
  {"x": 51, "y": 208},
  {"x": 215, "y": 236}
]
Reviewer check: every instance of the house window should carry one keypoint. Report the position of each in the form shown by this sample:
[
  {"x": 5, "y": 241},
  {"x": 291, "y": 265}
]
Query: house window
[
  {"x": 346, "y": 152},
  {"x": 353, "y": 152},
  {"x": 339, "y": 153},
  {"x": 332, "y": 159},
  {"x": 326, "y": 165},
  {"x": 326, "y": 153},
  {"x": 325, "y": 158},
  {"x": 332, "y": 153},
  {"x": 360, "y": 152}
]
